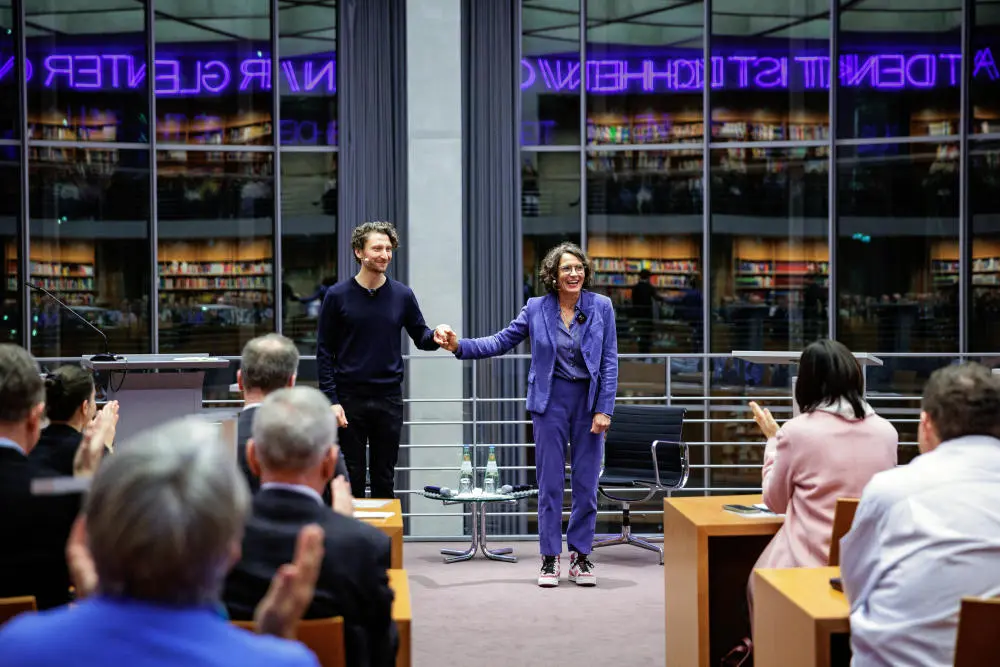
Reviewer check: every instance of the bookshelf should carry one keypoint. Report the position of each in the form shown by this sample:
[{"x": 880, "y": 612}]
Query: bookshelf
[
  {"x": 224, "y": 267},
  {"x": 985, "y": 264},
  {"x": 247, "y": 128},
  {"x": 645, "y": 128},
  {"x": 738, "y": 126},
  {"x": 617, "y": 261},
  {"x": 64, "y": 268},
  {"x": 767, "y": 268}
]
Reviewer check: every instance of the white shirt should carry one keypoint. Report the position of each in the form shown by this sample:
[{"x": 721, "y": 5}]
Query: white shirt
[
  {"x": 297, "y": 488},
  {"x": 924, "y": 536}
]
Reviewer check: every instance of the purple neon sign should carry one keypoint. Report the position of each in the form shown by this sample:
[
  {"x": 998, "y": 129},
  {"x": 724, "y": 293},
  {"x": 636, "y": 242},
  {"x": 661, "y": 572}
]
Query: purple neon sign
[
  {"x": 885, "y": 71},
  {"x": 178, "y": 77}
]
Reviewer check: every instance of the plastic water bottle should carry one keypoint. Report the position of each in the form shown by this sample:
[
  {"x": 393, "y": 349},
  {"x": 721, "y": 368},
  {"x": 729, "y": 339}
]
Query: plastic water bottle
[
  {"x": 465, "y": 475},
  {"x": 491, "y": 481}
]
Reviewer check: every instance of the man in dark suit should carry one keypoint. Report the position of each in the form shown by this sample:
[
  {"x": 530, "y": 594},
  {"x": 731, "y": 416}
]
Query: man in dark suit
[
  {"x": 34, "y": 528},
  {"x": 269, "y": 363},
  {"x": 293, "y": 452}
]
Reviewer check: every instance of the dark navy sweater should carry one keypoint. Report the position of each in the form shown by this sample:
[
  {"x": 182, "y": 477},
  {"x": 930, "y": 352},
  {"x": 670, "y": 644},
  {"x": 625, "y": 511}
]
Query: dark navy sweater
[{"x": 359, "y": 348}]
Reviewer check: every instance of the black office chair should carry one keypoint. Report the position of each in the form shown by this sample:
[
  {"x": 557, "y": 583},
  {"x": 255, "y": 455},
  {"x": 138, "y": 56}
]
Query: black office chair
[{"x": 643, "y": 449}]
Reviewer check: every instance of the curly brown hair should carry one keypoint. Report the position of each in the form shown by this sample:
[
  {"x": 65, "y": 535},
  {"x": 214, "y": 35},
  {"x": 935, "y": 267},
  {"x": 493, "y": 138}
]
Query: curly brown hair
[
  {"x": 549, "y": 271},
  {"x": 360, "y": 235}
]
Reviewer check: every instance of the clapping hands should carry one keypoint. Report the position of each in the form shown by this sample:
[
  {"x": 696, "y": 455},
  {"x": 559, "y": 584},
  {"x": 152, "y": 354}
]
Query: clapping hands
[
  {"x": 766, "y": 422},
  {"x": 446, "y": 337}
]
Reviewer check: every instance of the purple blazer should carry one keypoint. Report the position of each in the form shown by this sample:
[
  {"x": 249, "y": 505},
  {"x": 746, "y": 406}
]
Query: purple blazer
[{"x": 539, "y": 319}]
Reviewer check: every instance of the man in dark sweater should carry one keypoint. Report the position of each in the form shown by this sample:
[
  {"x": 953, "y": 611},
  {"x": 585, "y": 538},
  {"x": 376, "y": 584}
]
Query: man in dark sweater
[{"x": 359, "y": 355}]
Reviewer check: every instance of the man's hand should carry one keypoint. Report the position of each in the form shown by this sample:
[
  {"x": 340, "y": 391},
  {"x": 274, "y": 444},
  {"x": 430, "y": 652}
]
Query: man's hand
[
  {"x": 766, "y": 422},
  {"x": 446, "y": 337},
  {"x": 343, "y": 498},
  {"x": 110, "y": 413},
  {"x": 600, "y": 423},
  {"x": 91, "y": 450},
  {"x": 292, "y": 587},
  {"x": 338, "y": 412},
  {"x": 82, "y": 571}
]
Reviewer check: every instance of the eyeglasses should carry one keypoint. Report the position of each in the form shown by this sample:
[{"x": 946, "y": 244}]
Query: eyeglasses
[{"x": 574, "y": 268}]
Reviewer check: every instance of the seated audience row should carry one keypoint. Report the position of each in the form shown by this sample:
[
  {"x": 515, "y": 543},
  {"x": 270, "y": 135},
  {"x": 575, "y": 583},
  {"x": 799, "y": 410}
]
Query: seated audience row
[{"x": 175, "y": 540}]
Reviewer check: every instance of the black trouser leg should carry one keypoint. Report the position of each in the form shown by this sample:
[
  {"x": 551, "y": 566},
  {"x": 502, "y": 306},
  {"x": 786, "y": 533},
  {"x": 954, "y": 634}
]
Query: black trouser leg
[
  {"x": 385, "y": 427},
  {"x": 352, "y": 440}
]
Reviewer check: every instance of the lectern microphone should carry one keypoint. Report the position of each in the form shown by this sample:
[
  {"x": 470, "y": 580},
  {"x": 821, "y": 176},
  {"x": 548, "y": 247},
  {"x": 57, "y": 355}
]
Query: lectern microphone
[{"x": 104, "y": 356}]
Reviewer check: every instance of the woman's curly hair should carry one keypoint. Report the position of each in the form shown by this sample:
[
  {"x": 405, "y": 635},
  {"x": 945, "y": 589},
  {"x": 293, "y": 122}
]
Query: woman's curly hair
[{"x": 549, "y": 271}]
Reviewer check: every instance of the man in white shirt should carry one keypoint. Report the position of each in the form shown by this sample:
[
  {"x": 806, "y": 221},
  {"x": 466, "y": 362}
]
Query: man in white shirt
[{"x": 928, "y": 533}]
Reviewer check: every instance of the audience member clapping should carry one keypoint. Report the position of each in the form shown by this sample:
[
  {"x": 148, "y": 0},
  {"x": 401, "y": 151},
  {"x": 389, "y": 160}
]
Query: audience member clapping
[{"x": 161, "y": 527}]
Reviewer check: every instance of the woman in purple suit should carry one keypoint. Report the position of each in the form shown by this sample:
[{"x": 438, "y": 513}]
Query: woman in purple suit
[{"x": 571, "y": 395}]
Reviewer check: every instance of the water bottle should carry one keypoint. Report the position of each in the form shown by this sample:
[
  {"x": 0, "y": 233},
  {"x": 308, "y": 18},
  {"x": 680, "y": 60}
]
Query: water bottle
[
  {"x": 491, "y": 481},
  {"x": 465, "y": 475}
]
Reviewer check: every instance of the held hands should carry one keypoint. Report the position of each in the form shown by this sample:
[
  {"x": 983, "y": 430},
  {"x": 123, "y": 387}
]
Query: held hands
[
  {"x": 768, "y": 426},
  {"x": 446, "y": 337},
  {"x": 601, "y": 423},
  {"x": 338, "y": 412}
]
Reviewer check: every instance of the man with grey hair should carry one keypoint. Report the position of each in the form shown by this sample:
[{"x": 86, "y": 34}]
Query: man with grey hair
[
  {"x": 161, "y": 526},
  {"x": 34, "y": 528},
  {"x": 293, "y": 451},
  {"x": 269, "y": 363}
]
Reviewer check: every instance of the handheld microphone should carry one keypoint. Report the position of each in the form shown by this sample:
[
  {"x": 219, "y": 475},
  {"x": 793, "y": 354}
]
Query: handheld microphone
[
  {"x": 506, "y": 488},
  {"x": 104, "y": 356},
  {"x": 439, "y": 490}
]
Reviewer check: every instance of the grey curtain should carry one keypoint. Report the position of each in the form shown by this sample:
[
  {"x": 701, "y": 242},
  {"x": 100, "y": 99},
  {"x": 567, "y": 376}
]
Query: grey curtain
[
  {"x": 371, "y": 98},
  {"x": 491, "y": 53}
]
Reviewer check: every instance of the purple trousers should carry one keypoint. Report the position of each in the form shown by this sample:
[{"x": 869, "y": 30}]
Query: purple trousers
[{"x": 567, "y": 419}]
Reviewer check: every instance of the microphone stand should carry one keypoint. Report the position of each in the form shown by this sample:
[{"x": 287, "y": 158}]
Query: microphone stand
[{"x": 102, "y": 356}]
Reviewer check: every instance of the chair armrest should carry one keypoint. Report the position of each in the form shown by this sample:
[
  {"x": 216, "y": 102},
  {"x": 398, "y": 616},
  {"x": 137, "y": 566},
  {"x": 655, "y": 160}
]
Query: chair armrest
[
  {"x": 651, "y": 491},
  {"x": 685, "y": 467}
]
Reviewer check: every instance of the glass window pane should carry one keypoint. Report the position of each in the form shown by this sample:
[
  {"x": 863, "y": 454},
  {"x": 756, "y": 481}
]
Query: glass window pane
[
  {"x": 89, "y": 223},
  {"x": 897, "y": 225},
  {"x": 770, "y": 71},
  {"x": 10, "y": 239},
  {"x": 984, "y": 210},
  {"x": 88, "y": 77},
  {"x": 899, "y": 68},
  {"x": 307, "y": 46},
  {"x": 550, "y": 72},
  {"x": 983, "y": 87},
  {"x": 644, "y": 222},
  {"x": 550, "y": 209},
  {"x": 308, "y": 241},
  {"x": 9, "y": 101},
  {"x": 216, "y": 226},
  {"x": 213, "y": 73},
  {"x": 644, "y": 72},
  {"x": 770, "y": 257}
]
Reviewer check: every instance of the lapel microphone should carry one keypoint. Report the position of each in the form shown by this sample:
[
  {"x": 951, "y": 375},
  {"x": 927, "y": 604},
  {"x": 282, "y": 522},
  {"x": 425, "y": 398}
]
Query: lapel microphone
[{"x": 581, "y": 317}]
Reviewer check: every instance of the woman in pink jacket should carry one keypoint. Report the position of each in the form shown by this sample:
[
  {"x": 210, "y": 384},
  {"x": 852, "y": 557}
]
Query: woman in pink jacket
[{"x": 831, "y": 450}]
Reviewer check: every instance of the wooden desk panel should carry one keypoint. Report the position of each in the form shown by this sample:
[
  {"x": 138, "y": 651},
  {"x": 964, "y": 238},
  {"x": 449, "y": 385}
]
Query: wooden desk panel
[
  {"x": 391, "y": 526},
  {"x": 709, "y": 554},
  {"x": 799, "y": 619},
  {"x": 402, "y": 613}
]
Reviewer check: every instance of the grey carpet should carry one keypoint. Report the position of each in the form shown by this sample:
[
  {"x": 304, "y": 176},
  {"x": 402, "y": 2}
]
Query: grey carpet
[{"x": 484, "y": 612}]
